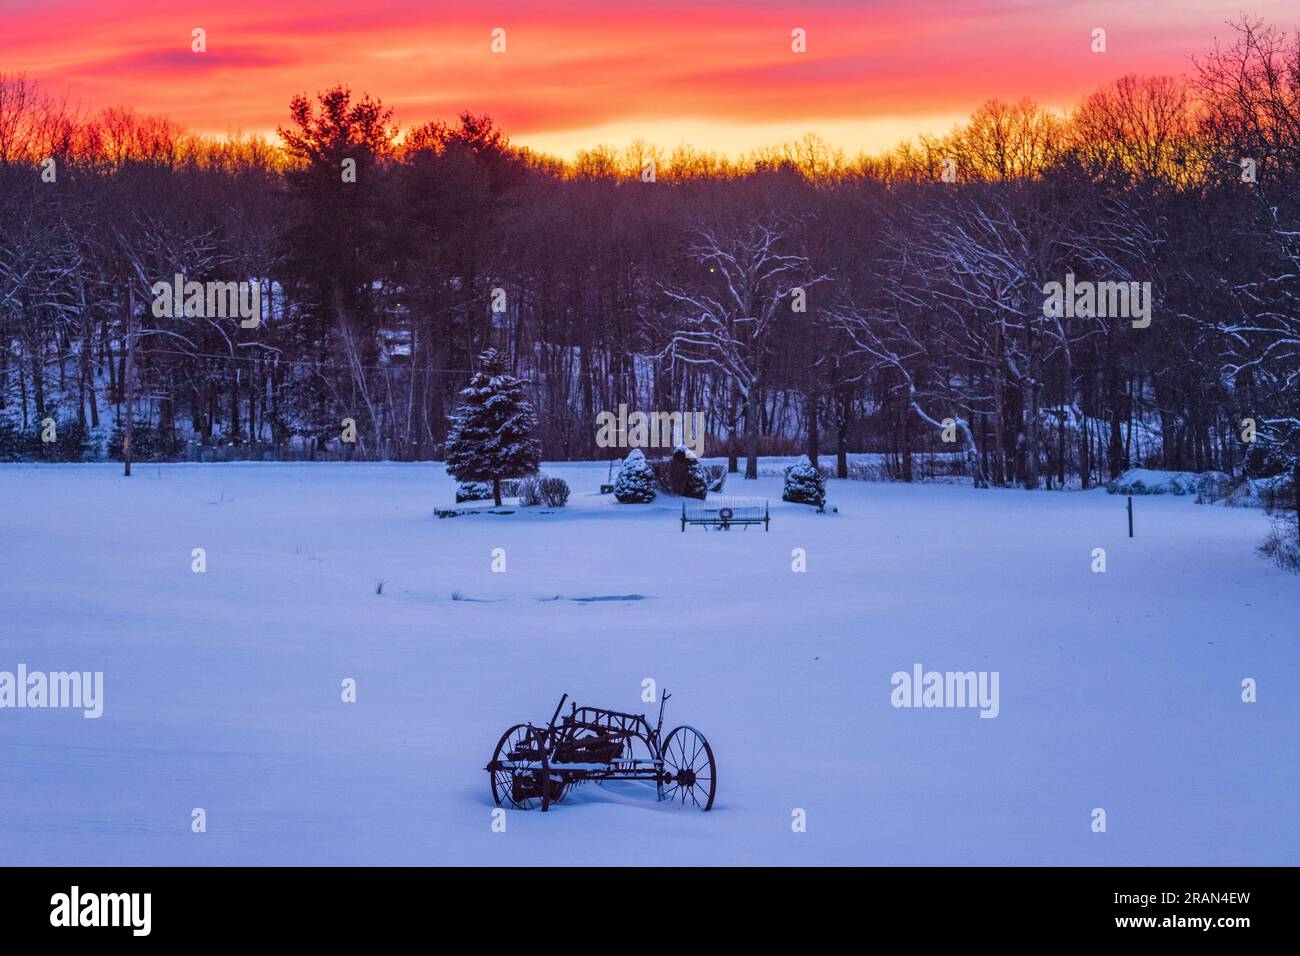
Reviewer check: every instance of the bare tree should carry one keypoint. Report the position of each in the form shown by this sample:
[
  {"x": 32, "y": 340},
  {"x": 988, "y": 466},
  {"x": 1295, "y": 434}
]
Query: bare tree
[{"x": 727, "y": 318}]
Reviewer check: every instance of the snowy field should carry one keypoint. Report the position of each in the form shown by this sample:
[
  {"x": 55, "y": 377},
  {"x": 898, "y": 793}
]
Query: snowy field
[{"x": 1119, "y": 690}]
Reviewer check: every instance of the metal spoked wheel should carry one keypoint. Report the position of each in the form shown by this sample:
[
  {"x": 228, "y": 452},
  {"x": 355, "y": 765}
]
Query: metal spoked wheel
[
  {"x": 520, "y": 771},
  {"x": 690, "y": 775}
]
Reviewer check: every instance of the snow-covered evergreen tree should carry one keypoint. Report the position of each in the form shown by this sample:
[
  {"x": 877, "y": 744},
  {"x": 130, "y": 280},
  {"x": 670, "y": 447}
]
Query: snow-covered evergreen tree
[
  {"x": 804, "y": 484},
  {"x": 473, "y": 491},
  {"x": 635, "y": 483},
  {"x": 490, "y": 436}
]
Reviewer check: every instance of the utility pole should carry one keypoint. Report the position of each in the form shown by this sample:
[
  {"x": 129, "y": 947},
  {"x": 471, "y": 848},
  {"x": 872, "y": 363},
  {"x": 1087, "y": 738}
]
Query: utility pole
[{"x": 129, "y": 384}]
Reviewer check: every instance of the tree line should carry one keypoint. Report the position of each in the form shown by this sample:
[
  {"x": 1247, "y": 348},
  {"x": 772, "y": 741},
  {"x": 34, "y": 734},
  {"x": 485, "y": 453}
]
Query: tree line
[{"x": 802, "y": 300}]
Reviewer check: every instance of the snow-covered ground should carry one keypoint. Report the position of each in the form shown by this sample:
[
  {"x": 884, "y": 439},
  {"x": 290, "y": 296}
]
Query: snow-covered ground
[{"x": 1118, "y": 690}]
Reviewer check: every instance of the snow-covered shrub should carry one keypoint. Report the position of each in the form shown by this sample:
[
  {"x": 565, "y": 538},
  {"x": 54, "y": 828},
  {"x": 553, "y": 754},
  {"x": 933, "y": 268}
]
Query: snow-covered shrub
[
  {"x": 804, "y": 484},
  {"x": 1282, "y": 543},
  {"x": 1276, "y": 493},
  {"x": 529, "y": 491},
  {"x": 1145, "y": 481},
  {"x": 1265, "y": 460},
  {"x": 778, "y": 470},
  {"x": 473, "y": 491},
  {"x": 686, "y": 476},
  {"x": 717, "y": 477},
  {"x": 661, "y": 468},
  {"x": 867, "y": 470},
  {"x": 148, "y": 443},
  {"x": 555, "y": 491},
  {"x": 15, "y": 444},
  {"x": 1245, "y": 494},
  {"x": 542, "y": 490},
  {"x": 1212, "y": 486},
  {"x": 635, "y": 483},
  {"x": 73, "y": 442}
]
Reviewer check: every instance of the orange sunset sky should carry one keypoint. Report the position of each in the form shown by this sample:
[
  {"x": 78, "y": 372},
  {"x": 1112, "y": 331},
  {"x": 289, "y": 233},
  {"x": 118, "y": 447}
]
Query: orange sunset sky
[{"x": 718, "y": 75}]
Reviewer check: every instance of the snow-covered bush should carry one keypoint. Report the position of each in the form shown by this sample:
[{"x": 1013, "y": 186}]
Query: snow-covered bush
[
  {"x": 1282, "y": 543},
  {"x": 868, "y": 469},
  {"x": 686, "y": 476},
  {"x": 554, "y": 491},
  {"x": 635, "y": 483},
  {"x": 683, "y": 475},
  {"x": 660, "y": 468},
  {"x": 74, "y": 442},
  {"x": 716, "y": 475},
  {"x": 1265, "y": 460},
  {"x": 804, "y": 484},
  {"x": 1274, "y": 493},
  {"x": 542, "y": 489},
  {"x": 1145, "y": 481},
  {"x": 1213, "y": 486},
  {"x": 148, "y": 443},
  {"x": 778, "y": 470},
  {"x": 473, "y": 491},
  {"x": 529, "y": 491}
]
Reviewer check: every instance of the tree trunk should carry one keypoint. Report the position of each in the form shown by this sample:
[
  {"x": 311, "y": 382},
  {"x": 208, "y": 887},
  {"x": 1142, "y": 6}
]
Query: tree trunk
[
  {"x": 972, "y": 452},
  {"x": 1085, "y": 460},
  {"x": 1031, "y": 433},
  {"x": 813, "y": 434},
  {"x": 751, "y": 432},
  {"x": 842, "y": 438},
  {"x": 1295, "y": 483},
  {"x": 1116, "y": 439},
  {"x": 905, "y": 429},
  {"x": 81, "y": 395},
  {"x": 733, "y": 462},
  {"x": 496, "y": 491},
  {"x": 128, "y": 383},
  {"x": 1060, "y": 448},
  {"x": 588, "y": 400},
  {"x": 999, "y": 411}
]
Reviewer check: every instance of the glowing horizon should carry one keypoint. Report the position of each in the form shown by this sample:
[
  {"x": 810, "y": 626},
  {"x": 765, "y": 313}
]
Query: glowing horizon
[{"x": 582, "y": 74}]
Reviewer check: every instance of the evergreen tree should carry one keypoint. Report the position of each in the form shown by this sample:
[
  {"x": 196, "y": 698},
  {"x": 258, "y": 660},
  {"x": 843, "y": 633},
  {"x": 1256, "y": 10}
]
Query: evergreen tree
[
  {"x": 804, "y": 484},
  {"x": 490, "y": 435},
  {"x": 635, "y": 483}
]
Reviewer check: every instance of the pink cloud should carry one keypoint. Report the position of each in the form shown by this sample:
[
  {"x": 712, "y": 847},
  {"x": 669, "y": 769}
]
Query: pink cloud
[{"x": 573, "y": 65}]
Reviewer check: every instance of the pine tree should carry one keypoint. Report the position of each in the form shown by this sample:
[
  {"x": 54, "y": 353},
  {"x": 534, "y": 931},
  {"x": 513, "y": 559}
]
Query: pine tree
[
  {"x": 490, "y": 433},
  {"x": 804, "y": 484},
  {"x": 635, "y": 483}
]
